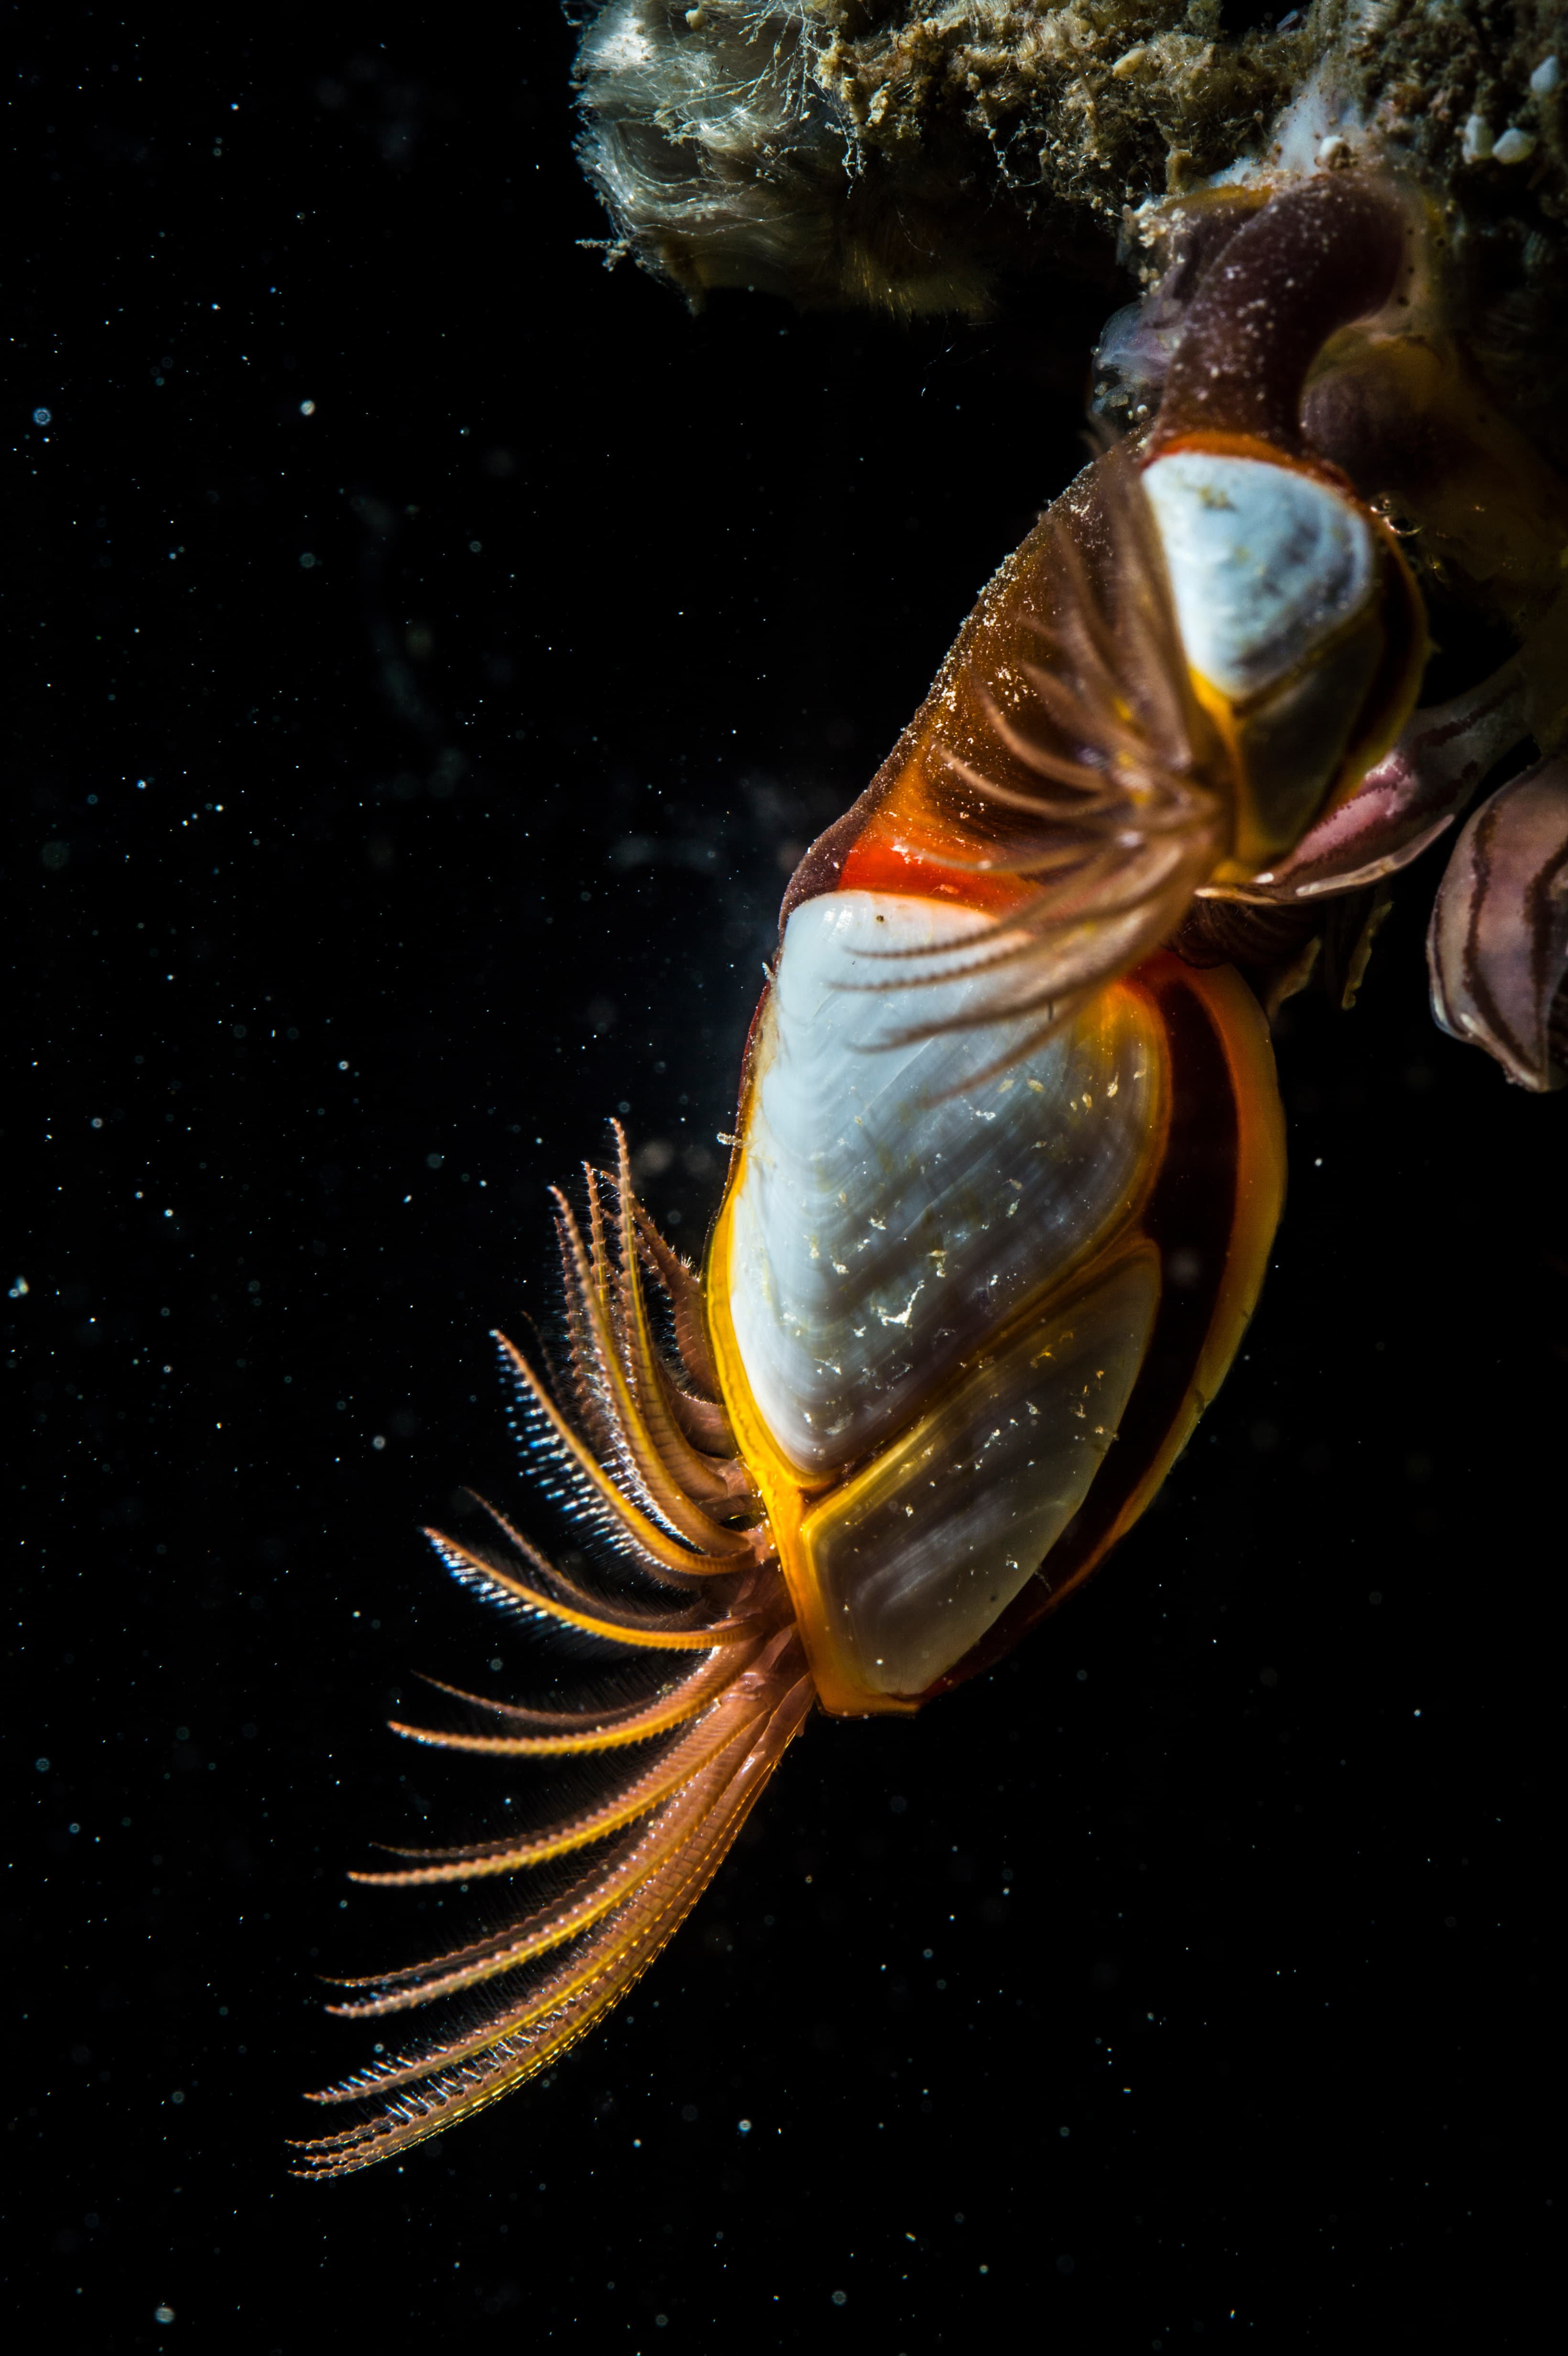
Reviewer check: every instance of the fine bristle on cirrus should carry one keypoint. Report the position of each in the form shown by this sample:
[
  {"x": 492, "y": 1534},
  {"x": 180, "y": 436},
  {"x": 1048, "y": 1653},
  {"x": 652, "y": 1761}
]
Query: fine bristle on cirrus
[{"x": 635, "y": 1440}]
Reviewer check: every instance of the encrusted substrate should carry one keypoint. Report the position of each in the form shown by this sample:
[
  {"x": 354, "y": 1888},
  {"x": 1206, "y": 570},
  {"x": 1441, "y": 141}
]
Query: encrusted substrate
[{"x": 845, "y": 152}]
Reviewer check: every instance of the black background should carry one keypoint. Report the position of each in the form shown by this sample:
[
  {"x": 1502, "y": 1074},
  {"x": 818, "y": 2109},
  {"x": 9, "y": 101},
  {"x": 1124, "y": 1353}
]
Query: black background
[{"x": 399, "y": 785}]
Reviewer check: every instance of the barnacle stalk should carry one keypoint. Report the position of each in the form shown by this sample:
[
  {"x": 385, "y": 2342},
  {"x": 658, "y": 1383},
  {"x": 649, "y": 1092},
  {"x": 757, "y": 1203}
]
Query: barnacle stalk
[{"x": 638, "y": 1443}]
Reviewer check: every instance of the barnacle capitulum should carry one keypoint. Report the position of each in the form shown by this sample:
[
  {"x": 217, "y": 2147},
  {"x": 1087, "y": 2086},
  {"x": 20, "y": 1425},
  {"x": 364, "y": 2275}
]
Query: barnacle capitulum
[
  {"x": 972, "y": 1285},
  {"x": 1091, "y": 1220},
  {"x": 1008, "y": 1159},
  {"x": 1391, "y": 403},
  {"x": 1302, "y": 626}
]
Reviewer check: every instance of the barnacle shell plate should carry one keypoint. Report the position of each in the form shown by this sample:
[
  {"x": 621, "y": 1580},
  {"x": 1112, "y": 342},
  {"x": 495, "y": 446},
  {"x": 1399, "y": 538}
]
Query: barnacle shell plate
[
  {"x": 917, "y": 1555},
  {"x": 1267, "y": 563},
  {"x": 905, "y": 1191}
]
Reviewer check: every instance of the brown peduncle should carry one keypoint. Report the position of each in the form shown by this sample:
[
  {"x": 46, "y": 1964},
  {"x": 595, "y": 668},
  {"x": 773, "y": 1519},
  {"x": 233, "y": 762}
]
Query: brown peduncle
[{"x": 1309, "y": 262}]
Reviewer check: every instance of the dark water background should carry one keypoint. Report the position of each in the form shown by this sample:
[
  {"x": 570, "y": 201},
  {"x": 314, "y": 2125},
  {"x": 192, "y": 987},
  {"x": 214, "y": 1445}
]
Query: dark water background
[{"x": 427, "y": 654}]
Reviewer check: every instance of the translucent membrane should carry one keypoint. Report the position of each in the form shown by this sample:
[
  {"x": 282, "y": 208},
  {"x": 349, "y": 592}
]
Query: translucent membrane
[{"x": 915, "y": 1556}]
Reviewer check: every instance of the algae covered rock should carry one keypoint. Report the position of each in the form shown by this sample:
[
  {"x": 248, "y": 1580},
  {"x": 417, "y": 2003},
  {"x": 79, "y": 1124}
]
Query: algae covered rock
[{"x": 843, "y": 153}]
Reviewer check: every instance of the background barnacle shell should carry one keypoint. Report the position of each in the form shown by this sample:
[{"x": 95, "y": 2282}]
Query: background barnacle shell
[{"x": 844, "y": 152}]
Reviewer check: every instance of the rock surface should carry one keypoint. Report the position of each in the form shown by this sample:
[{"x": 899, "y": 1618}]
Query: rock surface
[{"x": 843, "y": 153}]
